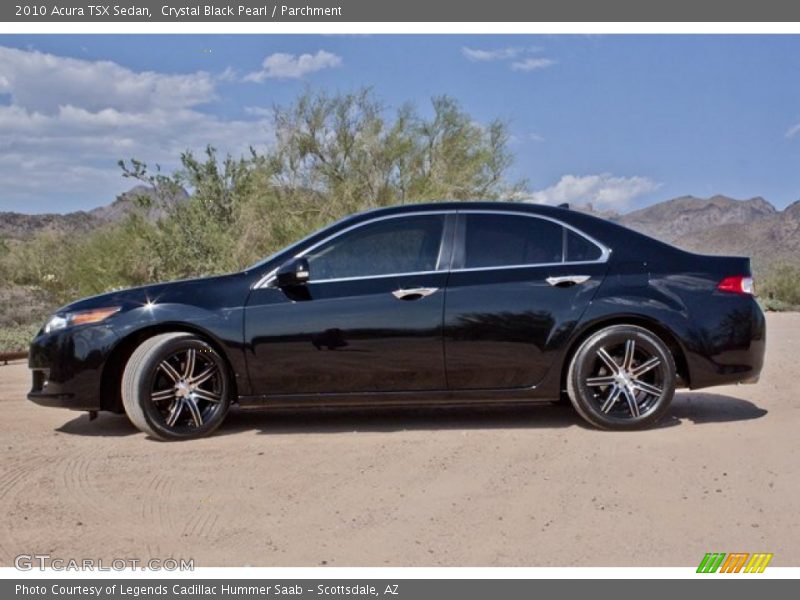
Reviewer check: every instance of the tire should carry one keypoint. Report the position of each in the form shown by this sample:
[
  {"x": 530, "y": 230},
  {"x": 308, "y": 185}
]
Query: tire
[
  {"x": 622, "y": 378},
  {"x": 170, "y": 396}
]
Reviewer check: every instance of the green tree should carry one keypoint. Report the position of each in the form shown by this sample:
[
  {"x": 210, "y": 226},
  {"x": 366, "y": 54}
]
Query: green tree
[{"x": 346, "y": 148}]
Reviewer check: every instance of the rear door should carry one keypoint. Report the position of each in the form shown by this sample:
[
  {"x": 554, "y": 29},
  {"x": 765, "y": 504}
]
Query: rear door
[{"x": 519, "y": 283}]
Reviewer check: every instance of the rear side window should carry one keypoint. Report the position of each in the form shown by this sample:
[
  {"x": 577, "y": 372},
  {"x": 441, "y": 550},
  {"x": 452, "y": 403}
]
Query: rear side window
[
  {"x": 509, "y": 240},
  {"x": 580, "y": 249}
]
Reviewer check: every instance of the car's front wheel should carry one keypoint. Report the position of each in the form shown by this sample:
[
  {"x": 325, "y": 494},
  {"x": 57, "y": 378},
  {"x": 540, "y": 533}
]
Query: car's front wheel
[
  {"x": 622, "y": 377},
  {"x": 176, "y": 386}
]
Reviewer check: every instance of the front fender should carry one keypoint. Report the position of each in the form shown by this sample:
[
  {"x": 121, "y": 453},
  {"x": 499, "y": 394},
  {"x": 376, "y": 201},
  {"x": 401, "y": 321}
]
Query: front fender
[{"x": 222, "y": 326}]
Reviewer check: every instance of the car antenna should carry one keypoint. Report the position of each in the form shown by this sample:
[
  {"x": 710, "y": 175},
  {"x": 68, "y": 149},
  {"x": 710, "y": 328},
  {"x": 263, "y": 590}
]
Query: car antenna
[{"x": 563, "y": 205}]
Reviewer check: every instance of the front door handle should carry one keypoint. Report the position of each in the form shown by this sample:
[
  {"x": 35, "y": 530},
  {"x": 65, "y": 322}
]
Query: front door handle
[
  {"x": 413, "y": 293},
  {"x": 567, "y": 280}
]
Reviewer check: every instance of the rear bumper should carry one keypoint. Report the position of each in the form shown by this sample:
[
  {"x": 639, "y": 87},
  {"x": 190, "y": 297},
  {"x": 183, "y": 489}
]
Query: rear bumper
[{"x": 731, "y": 345}]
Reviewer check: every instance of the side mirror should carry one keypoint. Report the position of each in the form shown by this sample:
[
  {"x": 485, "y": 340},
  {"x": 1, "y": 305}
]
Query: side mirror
[{"x": 293, "y": 273}]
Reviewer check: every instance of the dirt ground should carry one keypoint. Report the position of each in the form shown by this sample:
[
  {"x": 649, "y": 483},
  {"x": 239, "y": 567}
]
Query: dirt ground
[{"x": 485, "y": 487}]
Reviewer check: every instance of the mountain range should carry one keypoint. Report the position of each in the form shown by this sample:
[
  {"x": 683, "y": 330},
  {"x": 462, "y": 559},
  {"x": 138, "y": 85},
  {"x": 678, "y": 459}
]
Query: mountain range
[
  {"x": 721, "y": 225},
  {"x": 18, "y": 226},
  {"x": 715, "y": 225}
]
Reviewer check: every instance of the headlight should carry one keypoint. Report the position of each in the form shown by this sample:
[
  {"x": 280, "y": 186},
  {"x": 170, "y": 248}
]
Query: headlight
[{"x": 81, "y": 317}]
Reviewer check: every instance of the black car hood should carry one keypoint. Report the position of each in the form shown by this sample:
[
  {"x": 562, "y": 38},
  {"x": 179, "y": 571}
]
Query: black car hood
[{"x": 183, "y": 291}]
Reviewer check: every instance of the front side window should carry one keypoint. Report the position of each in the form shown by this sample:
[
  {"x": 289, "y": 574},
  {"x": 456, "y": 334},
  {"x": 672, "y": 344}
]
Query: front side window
[
  {"x": 389, "y": 246},
  {"x": 508, "y": 240}
]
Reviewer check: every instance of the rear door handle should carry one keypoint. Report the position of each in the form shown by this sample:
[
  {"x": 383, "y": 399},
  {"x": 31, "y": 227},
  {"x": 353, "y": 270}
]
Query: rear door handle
[
  {"x": 567, "y": 280},
  {"x": 413, "y": 293}
]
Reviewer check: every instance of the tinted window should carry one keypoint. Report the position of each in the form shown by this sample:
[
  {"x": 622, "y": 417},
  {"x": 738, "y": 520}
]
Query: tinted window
[
  {"x": 507, "y": 240},
  {"x": 398, "y": 245},
  {"x": 579, "y": 248}
]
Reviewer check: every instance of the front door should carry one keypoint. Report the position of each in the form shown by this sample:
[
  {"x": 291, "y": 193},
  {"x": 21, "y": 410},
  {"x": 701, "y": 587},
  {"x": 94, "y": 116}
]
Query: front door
[{"x": 368, "y": 320}]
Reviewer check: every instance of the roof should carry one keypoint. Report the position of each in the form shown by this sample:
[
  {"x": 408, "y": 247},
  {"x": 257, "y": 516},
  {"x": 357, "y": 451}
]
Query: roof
[{"x": 494, "y": 205}]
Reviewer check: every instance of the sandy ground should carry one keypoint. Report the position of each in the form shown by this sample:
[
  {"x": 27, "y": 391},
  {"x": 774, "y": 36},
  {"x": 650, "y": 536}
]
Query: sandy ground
[{"x": 508, "y": 487}]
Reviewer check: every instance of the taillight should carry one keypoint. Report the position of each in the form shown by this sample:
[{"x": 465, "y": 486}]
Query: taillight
[{"x": 737, "y": 284}]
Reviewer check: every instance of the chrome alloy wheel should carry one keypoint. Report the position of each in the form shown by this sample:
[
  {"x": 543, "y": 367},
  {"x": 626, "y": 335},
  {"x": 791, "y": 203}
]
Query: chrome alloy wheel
[
  {"x": 627, "y": 380},
  {"x": 187, "y": 388}
]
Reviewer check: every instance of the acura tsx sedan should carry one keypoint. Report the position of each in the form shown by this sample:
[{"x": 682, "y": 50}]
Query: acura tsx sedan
[{"x": 443, "y": 303}]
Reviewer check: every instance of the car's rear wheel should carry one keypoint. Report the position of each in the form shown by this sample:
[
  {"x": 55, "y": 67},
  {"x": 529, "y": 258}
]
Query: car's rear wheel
[
  {"x": 176, "y": 386},
  {"x": 622, "y": 377}
]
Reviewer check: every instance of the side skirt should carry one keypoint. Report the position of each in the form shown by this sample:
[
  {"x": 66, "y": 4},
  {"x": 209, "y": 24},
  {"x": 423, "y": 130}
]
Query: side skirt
[{"x": 415, "y": 398}]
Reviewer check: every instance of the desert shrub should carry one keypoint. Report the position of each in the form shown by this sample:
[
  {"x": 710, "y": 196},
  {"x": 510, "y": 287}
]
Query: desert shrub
[
  {"x": 22, "y": 305},
  {"x": 40, "y": 263},
  {"x": 17, "y": 338},
  {"x": 780, "y": 288},
  {"x": 113, "y": 257},
  {"x": 65, "y": 266}
]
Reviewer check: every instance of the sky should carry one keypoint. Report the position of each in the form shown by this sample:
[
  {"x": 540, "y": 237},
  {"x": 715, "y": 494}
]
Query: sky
[{"x": 620, "y": 121}]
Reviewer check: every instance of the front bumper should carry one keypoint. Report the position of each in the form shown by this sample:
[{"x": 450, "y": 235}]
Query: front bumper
[{"x": 67, "y": 366}]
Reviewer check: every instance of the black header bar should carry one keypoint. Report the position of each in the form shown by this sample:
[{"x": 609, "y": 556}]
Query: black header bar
[{"x": 316, "y": 11}]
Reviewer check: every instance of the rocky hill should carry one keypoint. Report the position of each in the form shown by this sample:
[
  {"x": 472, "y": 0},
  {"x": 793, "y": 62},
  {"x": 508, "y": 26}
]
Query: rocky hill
[
  {"x": 683, "y": 217},
  {"x": 769, "y": 240},
  {"x": 17, "y": 226},
  {"x": 720, "y": 225}
]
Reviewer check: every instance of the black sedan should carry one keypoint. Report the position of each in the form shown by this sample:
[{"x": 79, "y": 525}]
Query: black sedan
[{"x": 446, "y": 303}]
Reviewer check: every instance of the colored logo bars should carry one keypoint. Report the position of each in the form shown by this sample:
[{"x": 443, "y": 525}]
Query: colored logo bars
[{"x": 734, "y": 563}]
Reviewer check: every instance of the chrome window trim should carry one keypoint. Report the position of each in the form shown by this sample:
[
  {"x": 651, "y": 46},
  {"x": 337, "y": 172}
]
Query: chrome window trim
[
  {"x": 267, "y": 279},
  {"x": 528, "y": 266},
  {"x": 270, "y": 277},
  {"x": 386, "y": 276}
]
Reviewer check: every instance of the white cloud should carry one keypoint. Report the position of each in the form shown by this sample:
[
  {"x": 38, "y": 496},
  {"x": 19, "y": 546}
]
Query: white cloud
[
  {"x": 69, "y": 121},
  {"x": 478, "y": 55},
  {"x": 603, "y": 191},
  {"x": 523, "y": 61},
  {"x": 290, "y": 66},
  {"x": 229, "y": 74},
  {"x": 42, "y": 82},
  {"x": 793, "y": 131},
  {"x": 521, "y": 138},
  {"x": 259, "y": 111},
  {"x": 68, "y": 160},
  {"x": 532, "y": 64}
]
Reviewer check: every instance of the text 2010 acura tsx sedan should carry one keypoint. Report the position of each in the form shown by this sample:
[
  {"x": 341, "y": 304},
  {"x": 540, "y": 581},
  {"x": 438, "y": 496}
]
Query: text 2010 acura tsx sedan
[{"x": 446, "y": 303}]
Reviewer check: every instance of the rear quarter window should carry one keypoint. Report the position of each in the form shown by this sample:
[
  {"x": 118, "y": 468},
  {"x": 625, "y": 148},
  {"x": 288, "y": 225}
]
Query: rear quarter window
[{"x": 579, "y": 249}]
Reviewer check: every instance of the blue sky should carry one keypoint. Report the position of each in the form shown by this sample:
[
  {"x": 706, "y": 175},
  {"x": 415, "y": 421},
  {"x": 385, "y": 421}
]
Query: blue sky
[{"x": 623, "y": 121}]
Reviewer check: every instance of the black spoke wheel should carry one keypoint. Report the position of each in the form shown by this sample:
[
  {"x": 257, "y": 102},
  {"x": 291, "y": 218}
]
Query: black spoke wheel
[
  {"x": 176, "y": 386},
  {"x": 622, "y": 377}
]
